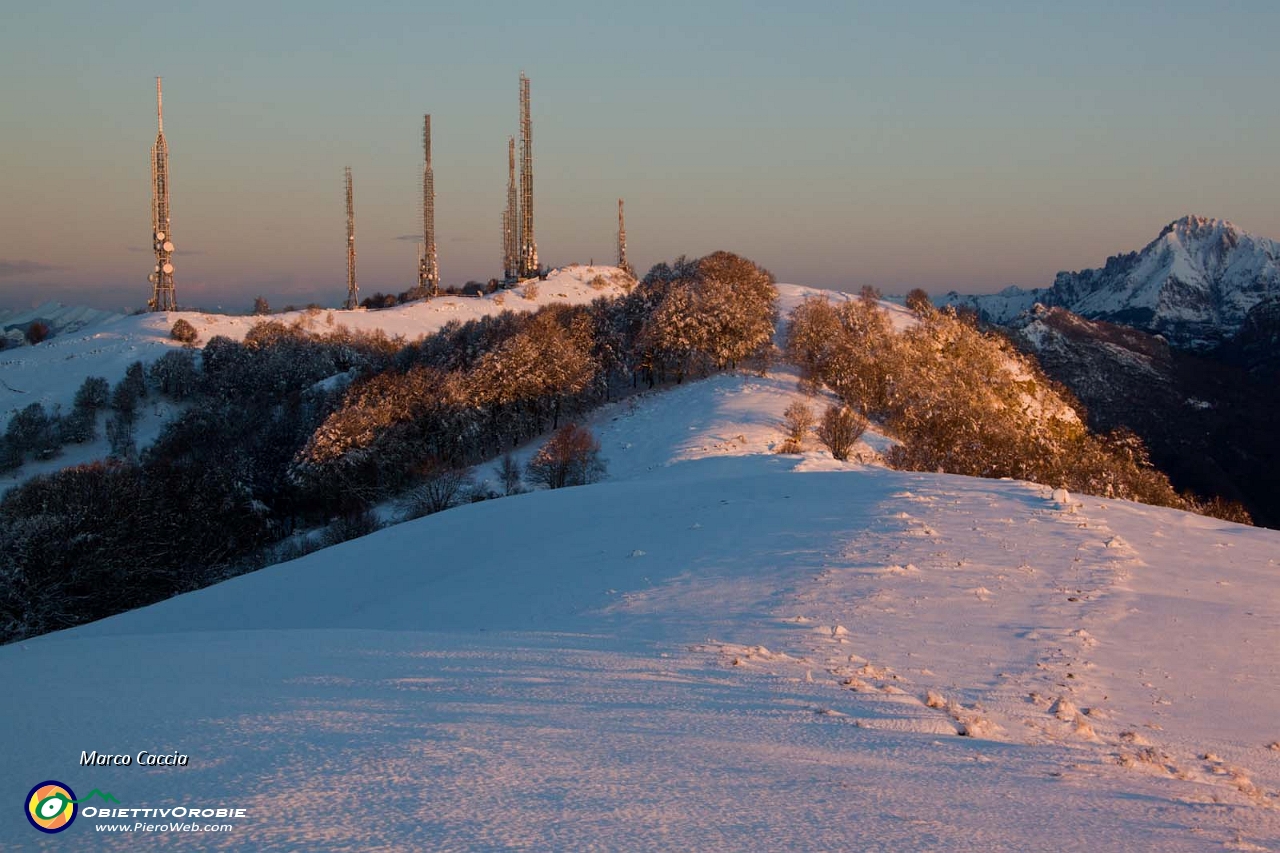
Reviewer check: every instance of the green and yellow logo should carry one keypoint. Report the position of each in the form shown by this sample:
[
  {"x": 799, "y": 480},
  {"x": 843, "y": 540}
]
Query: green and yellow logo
[{"x": 52, "y": 806}]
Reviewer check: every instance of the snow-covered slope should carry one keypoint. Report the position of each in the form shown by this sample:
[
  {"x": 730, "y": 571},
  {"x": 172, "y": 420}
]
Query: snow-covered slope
[
  {"x": 719, "y": 648},
  {"x": 1194, "y": 283},
  {"x": 58, "y": 318}
]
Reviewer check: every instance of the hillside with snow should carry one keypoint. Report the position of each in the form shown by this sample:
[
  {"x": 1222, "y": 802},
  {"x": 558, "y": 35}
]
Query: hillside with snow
[
  {"x": 1195, "y": 284},
  {"x": 92, "y": 343},
  {"x": 50, "y": 372},
  {"x": 718, "y": 648}
]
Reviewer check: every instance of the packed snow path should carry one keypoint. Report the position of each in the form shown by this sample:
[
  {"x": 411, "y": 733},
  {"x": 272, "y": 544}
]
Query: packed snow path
[{"x": 729, "y": 651}]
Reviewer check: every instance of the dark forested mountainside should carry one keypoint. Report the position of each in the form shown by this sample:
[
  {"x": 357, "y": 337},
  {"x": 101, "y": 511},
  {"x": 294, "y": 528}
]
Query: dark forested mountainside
[{"x": 1208, "y": 423}]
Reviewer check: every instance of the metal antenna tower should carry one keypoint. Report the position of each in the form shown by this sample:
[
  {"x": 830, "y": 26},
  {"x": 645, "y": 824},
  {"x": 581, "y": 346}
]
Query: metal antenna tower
[
  {"x": 622, "y": 241},
  {"x": 528, "y": 245},
  {"x": 353, "y": 289},
  {"x": 510, "y": 248},
  {"x": 163, "y": 297},
  {"x": 428, "y": 264}
]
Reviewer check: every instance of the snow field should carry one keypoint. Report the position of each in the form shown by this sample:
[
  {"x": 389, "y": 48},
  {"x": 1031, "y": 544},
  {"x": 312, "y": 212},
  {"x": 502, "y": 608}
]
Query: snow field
[{"x": 719, "y": 648}]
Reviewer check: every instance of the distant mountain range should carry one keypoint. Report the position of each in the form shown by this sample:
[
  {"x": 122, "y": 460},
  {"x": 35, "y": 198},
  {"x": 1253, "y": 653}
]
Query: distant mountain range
[{"x": 1195, "y": 285}]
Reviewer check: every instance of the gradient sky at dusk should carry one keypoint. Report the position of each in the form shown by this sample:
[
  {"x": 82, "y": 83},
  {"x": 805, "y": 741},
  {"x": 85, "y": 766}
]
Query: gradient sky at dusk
[{"x": 932, "y": 144}]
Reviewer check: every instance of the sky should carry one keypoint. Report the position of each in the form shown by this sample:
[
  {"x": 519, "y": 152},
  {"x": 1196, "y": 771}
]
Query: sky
[{"x": 927, "y": 144}]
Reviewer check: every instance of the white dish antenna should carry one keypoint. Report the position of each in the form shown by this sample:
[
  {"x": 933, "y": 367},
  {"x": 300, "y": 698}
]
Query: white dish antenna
[
  {"x": 168, "y": 269},
  {"x": 168, "y": 247}
]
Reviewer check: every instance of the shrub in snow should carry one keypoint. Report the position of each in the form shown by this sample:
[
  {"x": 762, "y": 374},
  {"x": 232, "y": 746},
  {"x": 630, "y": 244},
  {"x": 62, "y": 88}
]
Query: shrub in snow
[
  {"x": 37, "y": 332},
  {"x": 840, "y": 429},
  {"x": 797, "y": 420},
  {"x": 184, "y": 332},
  {"x": 571, "y": 457},
  {"x": 351, "y": 526}
]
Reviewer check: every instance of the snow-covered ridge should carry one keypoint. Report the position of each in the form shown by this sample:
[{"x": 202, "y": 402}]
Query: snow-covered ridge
[{"x": 1194, "y": 284}]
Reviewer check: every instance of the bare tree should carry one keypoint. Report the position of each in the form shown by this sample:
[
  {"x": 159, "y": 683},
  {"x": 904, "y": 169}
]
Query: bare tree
[
  {"x": 571, "y": 457},
  {"x": 120, "y": 434},
  {"x": 797, "y": 420},
  {"x": 840, "y": 429},
  {"x": 440, "y": 487},
  {"x": 509, "y": 472}
]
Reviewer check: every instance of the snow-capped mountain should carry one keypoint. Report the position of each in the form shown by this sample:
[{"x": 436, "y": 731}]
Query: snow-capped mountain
[{"x": 1194, "y": 284}]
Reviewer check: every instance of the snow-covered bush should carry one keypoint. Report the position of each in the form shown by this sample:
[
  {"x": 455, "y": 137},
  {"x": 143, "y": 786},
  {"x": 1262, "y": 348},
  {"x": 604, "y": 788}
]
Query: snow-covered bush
[{"x": 184, "y": 332}]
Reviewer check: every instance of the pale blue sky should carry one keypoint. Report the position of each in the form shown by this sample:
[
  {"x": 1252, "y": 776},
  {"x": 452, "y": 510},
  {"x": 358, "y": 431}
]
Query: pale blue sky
[{"x": 839, "y": 144}]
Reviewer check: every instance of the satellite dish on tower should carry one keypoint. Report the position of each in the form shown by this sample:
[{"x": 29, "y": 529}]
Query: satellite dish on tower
[
  {"x": 168, "y": 247},
  {"x": 159, "y": 235},
  {"x": 151, "y": 278},
  {"x": 168, "y": 269}
]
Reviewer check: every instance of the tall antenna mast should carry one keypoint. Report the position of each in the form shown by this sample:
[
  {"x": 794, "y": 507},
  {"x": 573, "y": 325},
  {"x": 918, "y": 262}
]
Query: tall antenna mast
[
  {"x": 428, "y": 264},
  {"x": 528, "y": 245},
  {"x": 510, "y": 249},
  {"x": 163, "y": 296},
  {"x": 622, "y": 241},
  {"x": 352, "y": 288}
]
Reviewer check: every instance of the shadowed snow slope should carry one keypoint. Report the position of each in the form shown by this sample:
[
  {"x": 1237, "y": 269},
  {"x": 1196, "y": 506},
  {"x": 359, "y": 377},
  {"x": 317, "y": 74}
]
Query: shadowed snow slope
[{"x": 730, "y": 651}]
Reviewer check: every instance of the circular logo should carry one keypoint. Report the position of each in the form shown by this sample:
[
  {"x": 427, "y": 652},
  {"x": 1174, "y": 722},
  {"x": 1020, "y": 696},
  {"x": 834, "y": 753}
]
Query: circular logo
[{"x": 51, "y": 806}]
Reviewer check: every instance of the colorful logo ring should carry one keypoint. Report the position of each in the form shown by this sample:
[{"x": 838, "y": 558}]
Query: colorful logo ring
[{"x": 51, "y": 806}]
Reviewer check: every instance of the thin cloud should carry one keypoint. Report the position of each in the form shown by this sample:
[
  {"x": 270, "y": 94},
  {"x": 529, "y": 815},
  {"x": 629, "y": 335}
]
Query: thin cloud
[
  {"x": 409, "y": 237},
  {"x": 8, "y": 268}
]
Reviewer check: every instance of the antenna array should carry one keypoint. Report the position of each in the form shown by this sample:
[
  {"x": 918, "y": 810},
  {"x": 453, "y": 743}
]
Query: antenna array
[
  {"x": 622, "y": 241},
  {"x": 510, "y": 224},
  {"x": 163, "y": 295},
  {"x": 528, "y": 245},
  {"x": 428, "y": 264},
  {"x": 353, "y": 289}
]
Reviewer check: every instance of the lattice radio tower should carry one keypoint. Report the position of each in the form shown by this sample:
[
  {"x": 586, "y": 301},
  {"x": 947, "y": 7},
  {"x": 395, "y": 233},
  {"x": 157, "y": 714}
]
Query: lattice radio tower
[
  {"x": 528, "y": 245},
  {"x": 510, "y": 249},
  {"x": 163, "y": 296},
  {"x": 622, "y": 242},
  {"x": 353, "y": 289},
  {"x": 428, "y": 264}
]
